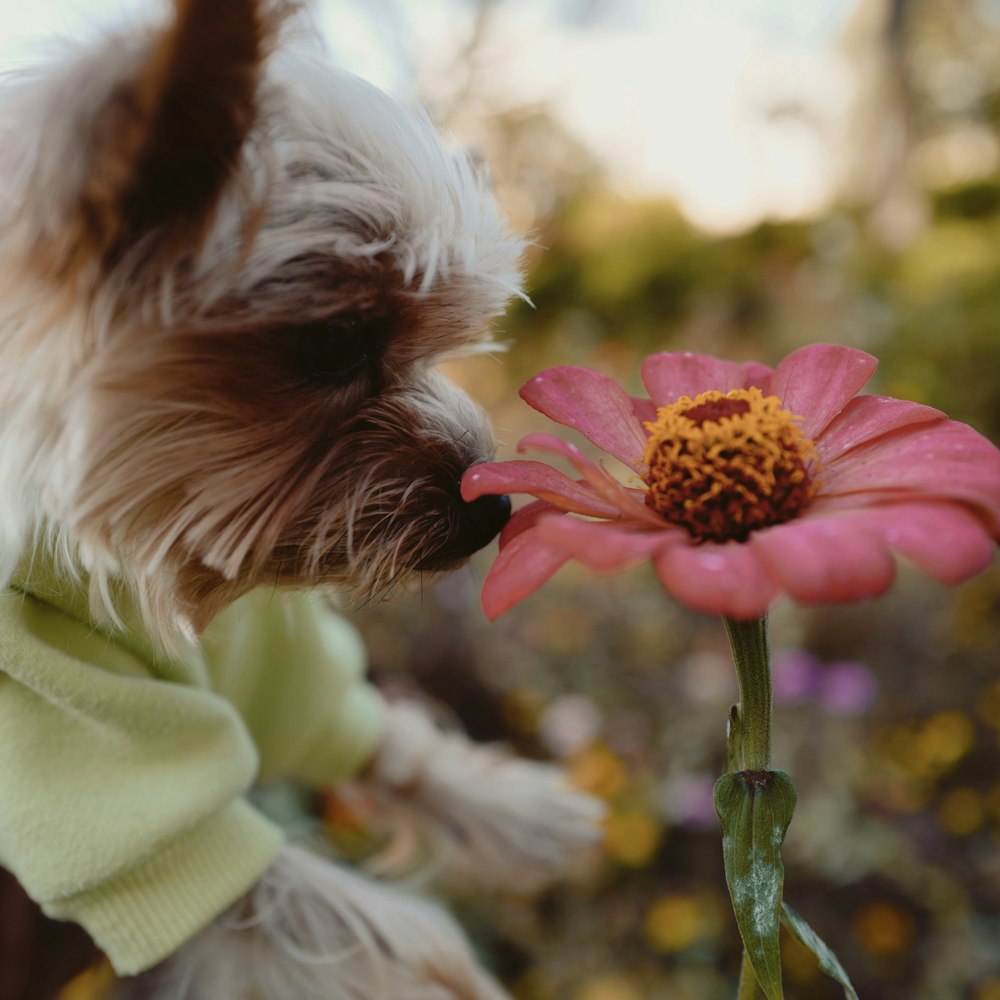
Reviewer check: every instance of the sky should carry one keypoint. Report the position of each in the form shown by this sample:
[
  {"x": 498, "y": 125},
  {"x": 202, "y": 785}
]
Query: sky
[{"x": 732, "y": 107}]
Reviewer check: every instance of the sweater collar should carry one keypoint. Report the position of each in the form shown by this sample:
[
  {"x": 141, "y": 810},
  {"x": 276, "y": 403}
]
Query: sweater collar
[{"x": 43, "y": 576}]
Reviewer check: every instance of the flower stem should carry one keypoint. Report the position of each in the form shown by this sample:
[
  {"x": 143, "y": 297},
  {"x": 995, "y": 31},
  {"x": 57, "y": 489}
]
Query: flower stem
[
  {"x": 734, "y": 741},
  {"x": 748, "y": 640}
]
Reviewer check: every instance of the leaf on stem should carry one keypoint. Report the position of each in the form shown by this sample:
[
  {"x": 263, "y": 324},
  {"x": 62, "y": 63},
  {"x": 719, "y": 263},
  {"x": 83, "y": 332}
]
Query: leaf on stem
[
  {"x": 828, "y": 962},
  {"x": 755, "y": 808}
]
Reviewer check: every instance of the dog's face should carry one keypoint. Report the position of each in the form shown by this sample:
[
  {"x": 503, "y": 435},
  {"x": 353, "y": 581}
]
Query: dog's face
[{"x": 228, "y": 271}]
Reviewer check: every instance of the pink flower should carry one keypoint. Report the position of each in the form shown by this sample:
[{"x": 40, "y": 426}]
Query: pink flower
[{"x": 747, "y": 482}]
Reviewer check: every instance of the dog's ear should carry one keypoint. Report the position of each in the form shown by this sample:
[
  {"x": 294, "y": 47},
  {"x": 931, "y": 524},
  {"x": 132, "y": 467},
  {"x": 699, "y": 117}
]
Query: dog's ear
[{"x": 164, "y": 142}]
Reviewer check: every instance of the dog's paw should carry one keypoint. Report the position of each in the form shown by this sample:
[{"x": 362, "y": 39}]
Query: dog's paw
[
  {"x": 491, "y": 818},
  {"x": 310, "y": 930}
]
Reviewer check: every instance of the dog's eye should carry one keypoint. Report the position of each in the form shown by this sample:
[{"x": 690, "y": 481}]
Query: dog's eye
[{"x": 335, "y": 350}]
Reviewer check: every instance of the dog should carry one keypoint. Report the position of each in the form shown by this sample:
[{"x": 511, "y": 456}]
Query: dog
[{"x": 228, "y": 272}]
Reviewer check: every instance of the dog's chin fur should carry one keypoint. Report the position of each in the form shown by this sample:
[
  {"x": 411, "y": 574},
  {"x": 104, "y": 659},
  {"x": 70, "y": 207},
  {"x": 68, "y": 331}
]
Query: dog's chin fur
[
  {"x": 161, "y": 416},
  {"x": 312, "y": 931}
]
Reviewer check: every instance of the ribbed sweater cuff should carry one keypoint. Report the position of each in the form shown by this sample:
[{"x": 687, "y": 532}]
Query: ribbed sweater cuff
[{"x": 146, "y": 914}]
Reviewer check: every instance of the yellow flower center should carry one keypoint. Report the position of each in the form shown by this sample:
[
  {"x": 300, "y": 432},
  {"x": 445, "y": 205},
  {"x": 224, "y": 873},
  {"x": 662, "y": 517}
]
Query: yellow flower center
[{"x": 727, "y": 463}]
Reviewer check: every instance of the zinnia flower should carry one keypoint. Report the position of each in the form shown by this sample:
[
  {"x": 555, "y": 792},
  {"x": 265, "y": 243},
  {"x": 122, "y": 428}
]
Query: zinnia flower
[{"x": 748, "y": 482}]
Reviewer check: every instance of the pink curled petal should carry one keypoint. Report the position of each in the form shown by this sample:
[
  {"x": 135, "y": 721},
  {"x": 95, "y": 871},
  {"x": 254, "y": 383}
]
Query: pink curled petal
[
  {"x": 989, "y": 517},
  {"x": 606, "y": 547},
  {"x": 817, "y": 382},
  {"x": 820, "y": 560},
  {"x": 627, "y": 503},
  {"x": 866, "y": 418},
  {"x": 645, "y": 410},
  {"x": 944, "y": 540},
  {"x": 839, "y": 503},
  {"x": 539, "y": 480},
  {"x": 946, "y": 459},
  {"x": 756, "y": 374},
  {"x": 593, "y": 404},
  {"x": 725, "y": 579},
  {"x": 670, "y": 375},
  {"x": 517, "y": 572},
  {"x": 525, "y": 518},
  {"x": 639, "y": 496}
]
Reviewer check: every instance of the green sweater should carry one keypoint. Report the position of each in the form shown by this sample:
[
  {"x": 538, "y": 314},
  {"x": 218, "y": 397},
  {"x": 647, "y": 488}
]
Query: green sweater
[{"x": 122, "y": 770}]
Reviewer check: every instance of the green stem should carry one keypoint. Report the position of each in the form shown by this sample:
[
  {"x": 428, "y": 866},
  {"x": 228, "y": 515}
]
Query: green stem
[
  {"x": 734, "y": 741},
  {"x": 748, "y": 640},
  {"x": 749, "y": 731},
  {"x": 748, "y": 990}
]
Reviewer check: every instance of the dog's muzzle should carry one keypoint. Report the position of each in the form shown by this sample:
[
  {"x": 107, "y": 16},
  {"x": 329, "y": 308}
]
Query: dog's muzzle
[
  {"x": 485, "y": 517},
  {"x": 477, "y": 524}
]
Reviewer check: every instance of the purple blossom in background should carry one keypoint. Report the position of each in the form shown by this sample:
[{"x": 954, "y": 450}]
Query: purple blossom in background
[
  {"x": 844, "y": 687},
  {"x": 688, "y": 801},
  {"x": 795, "y": 676}
]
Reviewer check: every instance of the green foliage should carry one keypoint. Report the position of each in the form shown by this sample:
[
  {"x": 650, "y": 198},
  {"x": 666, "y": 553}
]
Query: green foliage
[
  {"x": 976, "y": 200},
  {"x": 755, "y": 809},
  {"x": 806, "y": 936}
]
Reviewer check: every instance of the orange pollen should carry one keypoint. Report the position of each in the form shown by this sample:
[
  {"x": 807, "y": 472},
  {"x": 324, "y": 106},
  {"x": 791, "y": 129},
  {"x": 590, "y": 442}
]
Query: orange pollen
[{"x": 725, "y": 464}]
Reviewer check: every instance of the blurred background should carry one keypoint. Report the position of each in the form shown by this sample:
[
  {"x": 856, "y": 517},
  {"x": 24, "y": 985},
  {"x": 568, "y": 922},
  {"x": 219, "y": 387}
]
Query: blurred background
[{"x": 737, "y": 178}]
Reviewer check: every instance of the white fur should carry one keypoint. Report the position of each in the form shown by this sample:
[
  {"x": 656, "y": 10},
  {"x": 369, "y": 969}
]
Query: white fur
[
  {"x": 491, "y": 819},
  {"x": 312, "y": 931}
]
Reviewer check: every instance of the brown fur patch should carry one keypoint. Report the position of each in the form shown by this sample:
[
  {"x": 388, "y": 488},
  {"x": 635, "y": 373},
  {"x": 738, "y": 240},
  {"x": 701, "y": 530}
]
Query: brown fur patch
[{"x": 168, "y": 139}]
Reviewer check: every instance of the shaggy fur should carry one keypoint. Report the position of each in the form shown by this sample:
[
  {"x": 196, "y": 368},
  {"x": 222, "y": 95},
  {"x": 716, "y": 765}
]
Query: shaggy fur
[
  {"x": 240, "y": 391},
  {"x": 226, "y": 273},
  {"x": 312, "y": 931}
]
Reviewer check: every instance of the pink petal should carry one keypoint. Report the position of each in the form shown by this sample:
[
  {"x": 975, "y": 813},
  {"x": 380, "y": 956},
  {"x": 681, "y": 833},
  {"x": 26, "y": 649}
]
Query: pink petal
[
  {"x": 525, "y": 518},
  {"x": 669, "y": 375},
  {"x": 756, "y": 374},
  {"x": 840, "y": 503},
  {"x": 946, "y": 459},
  {"x": 603, "y": 546},
  {"x": 855, "y": 500},
  {"x": 645, "y": 410},
  {"x": 820, "y": 560},
  {"x": 518, "y": 571},
  {"x": 717, "y": 579},
  {"x": 816, "y": 382},
  {"x": 944, "y": 540},
  {"x": 593, "y": 404},
  {"x": 868, "y": 417},
  {"x": 538, "y": 479},
  {"x": 626, "y": 502}
]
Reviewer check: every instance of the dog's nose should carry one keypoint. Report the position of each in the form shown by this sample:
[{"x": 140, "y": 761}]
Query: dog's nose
[
  {"x": 473, "y": 525},
  {"x": 483, "y": 518}
]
